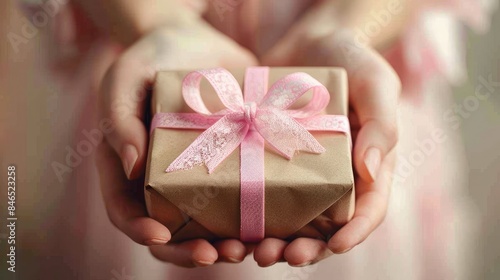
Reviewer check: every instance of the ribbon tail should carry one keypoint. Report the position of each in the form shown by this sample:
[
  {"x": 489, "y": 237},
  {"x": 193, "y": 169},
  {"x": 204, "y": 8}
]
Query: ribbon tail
[
  {"x": 213, "y": 145},
  {"x": 252, "y": 188},
  {"x": 285, "y": 134}
]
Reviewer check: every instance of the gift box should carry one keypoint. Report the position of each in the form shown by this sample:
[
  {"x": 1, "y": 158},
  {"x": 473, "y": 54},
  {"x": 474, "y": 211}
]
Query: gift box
[{"x": 253, "y": 191}]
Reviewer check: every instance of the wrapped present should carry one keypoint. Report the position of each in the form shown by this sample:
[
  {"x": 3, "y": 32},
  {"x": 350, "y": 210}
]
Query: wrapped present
[{"x": 250, "y": 153}]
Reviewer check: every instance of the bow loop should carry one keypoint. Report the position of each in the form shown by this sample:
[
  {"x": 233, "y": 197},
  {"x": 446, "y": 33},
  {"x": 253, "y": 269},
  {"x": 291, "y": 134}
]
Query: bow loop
[
  {"x": 287, "y": 90},
  {"x": 224, "y": 84}
]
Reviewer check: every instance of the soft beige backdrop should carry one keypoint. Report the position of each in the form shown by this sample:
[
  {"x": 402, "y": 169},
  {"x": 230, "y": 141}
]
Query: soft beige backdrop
[{"x": 27, "y": 104}]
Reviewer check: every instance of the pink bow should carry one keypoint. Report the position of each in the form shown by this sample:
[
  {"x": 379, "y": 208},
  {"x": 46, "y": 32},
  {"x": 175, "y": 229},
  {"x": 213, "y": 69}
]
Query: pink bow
[{"x": 261, "y": 115}]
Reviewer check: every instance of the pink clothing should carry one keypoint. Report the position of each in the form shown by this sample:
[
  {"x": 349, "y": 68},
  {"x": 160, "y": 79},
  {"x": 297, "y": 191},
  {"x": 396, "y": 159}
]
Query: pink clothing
[{"x": 425, "y": 221}]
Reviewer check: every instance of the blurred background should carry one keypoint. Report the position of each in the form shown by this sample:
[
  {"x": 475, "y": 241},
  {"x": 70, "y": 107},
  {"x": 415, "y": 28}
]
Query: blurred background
[
  {"x": 24, "y": 136},
  {"x": 481, "y": 136}
]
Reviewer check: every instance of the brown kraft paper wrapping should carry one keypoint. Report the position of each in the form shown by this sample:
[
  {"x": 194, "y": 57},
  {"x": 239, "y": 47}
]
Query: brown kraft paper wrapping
[{"x": 310, "y": 195}]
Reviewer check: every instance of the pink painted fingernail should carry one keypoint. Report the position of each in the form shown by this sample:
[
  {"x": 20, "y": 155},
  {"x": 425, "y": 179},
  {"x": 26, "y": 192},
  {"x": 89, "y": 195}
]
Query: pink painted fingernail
[
  {"x": 156, "y": 241},
  {"x": 233, "y": 260},
  {"x": 266, "y": 265},
  {"x": 129, "y": 157},
  {"x": 202, "y": 263},
  {"x": 345, "y": 251},
  {"x": 372, "y": 162},
  {"x": 303, "y": 264}
]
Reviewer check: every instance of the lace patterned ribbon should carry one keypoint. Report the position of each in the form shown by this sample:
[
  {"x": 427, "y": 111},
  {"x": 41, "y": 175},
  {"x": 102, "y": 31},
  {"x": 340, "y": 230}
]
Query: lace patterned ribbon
[{"x": 261, "y": 116}]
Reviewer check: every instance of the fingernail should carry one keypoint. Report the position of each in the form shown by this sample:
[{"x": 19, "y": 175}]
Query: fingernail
[
  {"x": 202, "y": 263},
  {"x": 266, "y": 265},
  {"x": 233, "y": 260},
  {"x": 302, "y": 264},
  {"x": 156, "y": 241},
  {"x": 372, "y": 162},
  {"x": 345, "y": 251},
  {"x": 129, "y": 157}
]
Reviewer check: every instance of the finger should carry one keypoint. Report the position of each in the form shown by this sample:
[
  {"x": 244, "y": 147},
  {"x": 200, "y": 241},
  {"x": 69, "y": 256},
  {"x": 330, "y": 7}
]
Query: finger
[
  {"x": 371, "y": 207},
  {"x": 123, "y": 201},
  {"x": 123, "y": 94},
  {"x": 374, "y": 98},
  {"x": 305, "y": 251},
  {"x": 374, "y": 90},
  {"x": 193, "y": 253},
  {"x": 231, "y": 250},
  {"x": 269, "y": 251}
]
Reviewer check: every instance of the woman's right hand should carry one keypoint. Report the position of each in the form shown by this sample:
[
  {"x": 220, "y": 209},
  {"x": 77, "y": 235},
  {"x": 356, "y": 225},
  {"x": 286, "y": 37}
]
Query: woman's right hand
[{"x": 123, "y": 101}]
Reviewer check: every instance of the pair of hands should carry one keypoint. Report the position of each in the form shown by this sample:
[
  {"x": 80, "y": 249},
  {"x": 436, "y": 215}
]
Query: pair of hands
[{"x": 374, "y": 89}]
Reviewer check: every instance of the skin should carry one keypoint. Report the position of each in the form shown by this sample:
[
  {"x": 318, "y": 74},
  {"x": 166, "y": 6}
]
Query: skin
[{"x": 374, "y": 90}]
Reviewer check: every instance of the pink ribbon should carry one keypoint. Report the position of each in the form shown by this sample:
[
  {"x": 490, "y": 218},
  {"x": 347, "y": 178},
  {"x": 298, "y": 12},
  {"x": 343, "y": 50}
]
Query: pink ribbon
[{"x": 262, "y": 116}]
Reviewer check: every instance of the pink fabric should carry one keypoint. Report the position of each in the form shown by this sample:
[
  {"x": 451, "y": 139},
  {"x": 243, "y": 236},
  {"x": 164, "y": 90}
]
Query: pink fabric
[{"x": 248, "y": 122}]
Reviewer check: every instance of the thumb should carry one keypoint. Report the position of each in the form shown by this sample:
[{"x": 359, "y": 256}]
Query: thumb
[
  {"x": 124, "y": 95},
  {"x": 374, "y": 92},
  {"x": 374, "y": 141}
]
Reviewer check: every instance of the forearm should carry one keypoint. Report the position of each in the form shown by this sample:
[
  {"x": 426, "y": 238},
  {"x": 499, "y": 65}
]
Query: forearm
[{"x": 128, "y": 20}]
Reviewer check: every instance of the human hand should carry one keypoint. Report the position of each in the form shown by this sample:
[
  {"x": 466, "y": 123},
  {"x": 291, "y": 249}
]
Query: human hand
[
  {"x": 123, "y": 101},
  {"x": 373, "y": 95}
]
